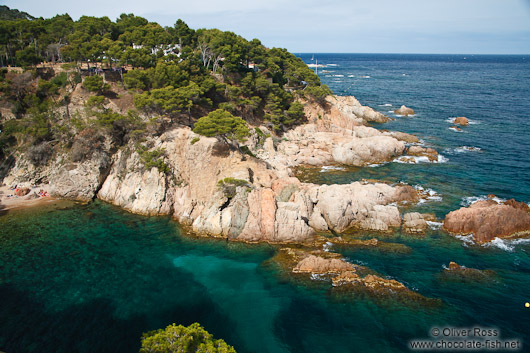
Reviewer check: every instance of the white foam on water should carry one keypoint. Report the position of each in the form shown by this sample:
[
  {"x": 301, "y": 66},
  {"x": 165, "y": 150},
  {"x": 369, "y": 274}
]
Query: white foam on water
[
  {"x": 327, "y": 246},
  {"x": 466, "y": 239},
  {"x": 442, "y": 159},
  {"x": 351, "y": 75},
  {"x": 366, "y": 76},
  {"x": 375, "y": 165},
  {"x": 468, "y": 201},
  {"x": 455, "y": 129},
  {"x": 432, "y": 195},
  {"x": 338, "y": 75},
  {"x": 434, "y": 225},
  {"x": 327, "y": 168},
  {"x": 385, "y": 105},
  {"x": 318, "y": 277},
  {"x": 419, "y": 159},
  {"x": 332, "y": 65},
  {"x": 501, "y": 244},
  {"x": 463, "y": 149}
]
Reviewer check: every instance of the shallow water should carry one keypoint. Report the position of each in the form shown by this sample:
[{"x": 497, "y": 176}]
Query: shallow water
[{"x": 92, "y": 278}]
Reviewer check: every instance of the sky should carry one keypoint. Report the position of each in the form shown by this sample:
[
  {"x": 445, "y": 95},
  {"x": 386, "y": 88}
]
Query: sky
[{"x": 332, "y": 26}]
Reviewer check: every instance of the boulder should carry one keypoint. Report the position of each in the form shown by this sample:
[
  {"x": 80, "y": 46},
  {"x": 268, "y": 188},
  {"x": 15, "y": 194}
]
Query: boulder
[
  {"x": 403, "y": 110},
  {"x": 487, "y": 220},
  {"x": 419, "y": 151},
  {"x": 319, "y": 265},
  {"x": 22, "y": 191},
  {"x": 461, "y": 120},
  {"x": 414, "y": 222}
]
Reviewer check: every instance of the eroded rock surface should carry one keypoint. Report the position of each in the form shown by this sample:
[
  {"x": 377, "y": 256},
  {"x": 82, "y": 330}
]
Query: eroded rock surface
[{"x": 487, "y": 220}]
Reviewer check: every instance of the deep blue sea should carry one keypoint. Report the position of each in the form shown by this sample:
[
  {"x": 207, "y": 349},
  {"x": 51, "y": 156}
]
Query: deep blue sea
[{"x": 92, "y": 278}]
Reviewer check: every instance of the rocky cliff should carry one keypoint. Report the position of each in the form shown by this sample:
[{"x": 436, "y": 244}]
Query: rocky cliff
[{"x": 219, "y": 191}]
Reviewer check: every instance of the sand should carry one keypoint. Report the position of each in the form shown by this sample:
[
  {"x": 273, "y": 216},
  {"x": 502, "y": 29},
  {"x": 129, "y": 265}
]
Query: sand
[{"x": 8, "y": 199}]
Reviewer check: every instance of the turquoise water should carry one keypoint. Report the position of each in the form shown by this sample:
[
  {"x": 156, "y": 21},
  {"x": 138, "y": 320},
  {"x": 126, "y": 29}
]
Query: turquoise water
[{"x": 92, "y": 278}]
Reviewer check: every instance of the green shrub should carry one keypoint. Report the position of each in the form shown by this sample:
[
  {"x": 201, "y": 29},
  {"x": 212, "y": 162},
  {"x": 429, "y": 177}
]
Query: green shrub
[
  {"x": 181, "y": 339},
  {"x": 95, "y": 84},
  {"x": 153, "y": 158},
  {"x": 194, "y": 140},
  {"x": 95, "y": 101}
]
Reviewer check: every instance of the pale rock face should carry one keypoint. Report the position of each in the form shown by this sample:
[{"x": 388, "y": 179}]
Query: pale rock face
[
  {"x": 134, "y": 190},
  {"x": 414, "y": 222},
  {"x": 367, "y": 150},
  {"x": 381, "y": 218},
  {"x": 78, "y": 181}
]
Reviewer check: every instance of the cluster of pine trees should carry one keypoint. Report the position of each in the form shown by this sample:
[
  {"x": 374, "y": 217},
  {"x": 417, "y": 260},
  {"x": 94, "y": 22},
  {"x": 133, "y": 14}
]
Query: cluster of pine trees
[{"x": 174, "y": 72}]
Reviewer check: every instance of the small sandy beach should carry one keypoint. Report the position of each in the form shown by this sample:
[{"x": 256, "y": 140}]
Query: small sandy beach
[{"x": 28, "y": 195}]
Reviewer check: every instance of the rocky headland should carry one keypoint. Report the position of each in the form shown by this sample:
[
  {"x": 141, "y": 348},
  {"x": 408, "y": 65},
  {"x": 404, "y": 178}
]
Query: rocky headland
[{"x": 218, "y": 191}]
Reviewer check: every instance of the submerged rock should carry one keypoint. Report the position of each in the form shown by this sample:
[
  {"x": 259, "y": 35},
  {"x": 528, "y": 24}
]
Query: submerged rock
[
  {"x": 457, "y": 272},
  {"x": 403, "y": 110},
  {"x": 487, "y": 220},
  {"x": 344, "y": 276}
]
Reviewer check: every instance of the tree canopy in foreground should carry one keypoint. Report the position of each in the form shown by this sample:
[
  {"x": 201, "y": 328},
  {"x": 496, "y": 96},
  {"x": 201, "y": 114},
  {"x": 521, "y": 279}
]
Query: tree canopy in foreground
[{"x": 181, "y": 339}]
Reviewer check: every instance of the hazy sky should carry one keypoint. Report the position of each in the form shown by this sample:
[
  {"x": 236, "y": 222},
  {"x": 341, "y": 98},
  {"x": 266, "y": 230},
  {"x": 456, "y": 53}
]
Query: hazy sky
[{"x": 346, "y": 26}]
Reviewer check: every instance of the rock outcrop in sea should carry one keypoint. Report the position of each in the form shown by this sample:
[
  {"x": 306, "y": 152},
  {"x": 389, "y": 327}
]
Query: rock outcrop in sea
[{"x": 488, "y": 219}]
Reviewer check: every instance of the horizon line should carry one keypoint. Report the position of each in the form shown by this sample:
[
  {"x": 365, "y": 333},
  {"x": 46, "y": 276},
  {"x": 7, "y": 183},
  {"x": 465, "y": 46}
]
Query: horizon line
[{"x": 299, "y": 52}]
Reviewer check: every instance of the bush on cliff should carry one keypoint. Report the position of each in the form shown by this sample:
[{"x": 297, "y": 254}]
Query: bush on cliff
[
  {"x": 223, "y": 125},
  {"x": 181, "y": 339}
]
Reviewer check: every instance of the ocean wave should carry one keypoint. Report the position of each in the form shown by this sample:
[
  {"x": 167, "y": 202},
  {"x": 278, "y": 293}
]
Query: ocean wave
[
  {"x": 375, "y": 165},
  {"x": 351, "y": 75},
  {"x": 366, "y": 76},
  {"x": 455, "y": 129},
  {"x": 318, "y": 277},
  {"x": 505, "y": 244},
  {"x": 327, "y": 168},
  {"x": 332, "y": 64},
  {"x": 501, "y": 244},
  {"x": 463, "y": 149},
  {"x": 429, "y": 195},
  {"x": 466, "y": 239},
  {"x": 338, "y": 75},
  {"x": 420, "y": 159},
  {"x": 469, "y": 200},
  {"x": 385, "y": 105},
  {"x": 434, "y": 225}
]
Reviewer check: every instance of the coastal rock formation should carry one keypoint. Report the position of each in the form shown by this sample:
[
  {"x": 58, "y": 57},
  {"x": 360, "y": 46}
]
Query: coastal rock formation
[
  {"x": 218, "y": 191},
  {"x": 319, "y": 265},
  {"x": 462, "y": 273},
  {"x": 345, "y": 277},
  {"x": 414, "y": 223},
  {"x": 343, "y": 112},
  {"x": 402, "y": 136},
  {"x": 405, "y": 111},
  {"x": 487, "y": 220},
  {"x": 419, "y": 151},
  {"x": 461, "y": 120}
]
